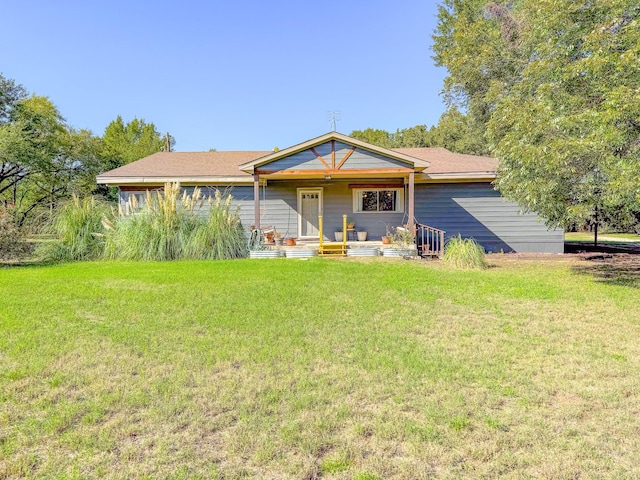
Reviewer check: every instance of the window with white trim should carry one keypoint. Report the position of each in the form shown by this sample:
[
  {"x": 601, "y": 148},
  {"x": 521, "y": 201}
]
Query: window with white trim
[
  {"x": 389, "y": 200},
  {"x": 127, "y": 200}
]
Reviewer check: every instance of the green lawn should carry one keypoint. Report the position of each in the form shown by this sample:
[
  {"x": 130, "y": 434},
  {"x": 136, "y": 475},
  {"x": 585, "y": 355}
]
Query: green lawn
[
  {"x": 604, "y": 238},
  {"x": 320, "y": 368}
]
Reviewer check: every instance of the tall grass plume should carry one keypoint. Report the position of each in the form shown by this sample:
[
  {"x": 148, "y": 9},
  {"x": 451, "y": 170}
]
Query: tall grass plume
[
  {"x": 171, "y": 226},
  {"x": 464, "y": 253},
  {"x": 78, "y": 227}
]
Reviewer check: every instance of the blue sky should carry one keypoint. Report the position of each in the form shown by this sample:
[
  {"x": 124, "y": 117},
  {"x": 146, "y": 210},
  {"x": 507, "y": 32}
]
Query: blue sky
[{"x": 232, "y": 75}]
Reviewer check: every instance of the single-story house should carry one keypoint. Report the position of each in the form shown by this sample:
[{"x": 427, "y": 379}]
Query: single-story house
[{"x": 334, "y": 174}]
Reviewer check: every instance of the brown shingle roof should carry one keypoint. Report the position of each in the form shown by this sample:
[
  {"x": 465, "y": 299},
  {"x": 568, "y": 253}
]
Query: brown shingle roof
[
  {"x": 443, "y": 161},
  {"x": 192, "y": 164},
  {"x": 226, "y": 164}
]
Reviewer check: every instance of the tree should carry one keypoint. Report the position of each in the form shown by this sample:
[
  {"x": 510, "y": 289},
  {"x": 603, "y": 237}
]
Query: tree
[
  {"x": 373, "y": 136},
  {"x": 124, "y": 144},
  {"x": 482, "y": 62},
  {"x": 459, "y": 133},
  {"x": 554, "y": 83},
  {"x": 10, "y": 94},
  {"x": 11, "y": 139},
  {"x": 42, "y": 159},
  {"x": 418, "y": 136},
  {"x": 31, "y": 144},
  {"x": 455, "y": 132}
]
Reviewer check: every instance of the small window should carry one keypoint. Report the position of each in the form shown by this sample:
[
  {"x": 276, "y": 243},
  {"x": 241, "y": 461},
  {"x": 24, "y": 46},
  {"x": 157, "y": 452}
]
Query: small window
[
  {"x": 133, "y": 198},
  {"x": 390, "y": 200}
]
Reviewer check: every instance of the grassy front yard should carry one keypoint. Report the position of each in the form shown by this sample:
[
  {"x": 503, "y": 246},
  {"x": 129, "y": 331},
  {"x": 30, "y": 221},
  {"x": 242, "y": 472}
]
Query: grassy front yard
[
  {"x": 603, "y": 238},
  {"x": 320, "y": 368}
]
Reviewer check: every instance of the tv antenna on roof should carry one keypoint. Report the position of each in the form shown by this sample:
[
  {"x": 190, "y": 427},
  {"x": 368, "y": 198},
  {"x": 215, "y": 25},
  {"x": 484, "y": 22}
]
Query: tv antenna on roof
[{"x": 333, "y": 116}]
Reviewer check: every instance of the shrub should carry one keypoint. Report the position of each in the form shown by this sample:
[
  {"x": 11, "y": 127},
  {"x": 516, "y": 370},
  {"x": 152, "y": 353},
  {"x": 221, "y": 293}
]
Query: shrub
[
  {"x": 221, "y": 235},
  {"x": 170, "y": 226},
  {"x": 401, "y": 236},
  {"x": 77, "y": 225},
  {"x": 464, "y": 253},
  {"x": 13, "y": 243}
]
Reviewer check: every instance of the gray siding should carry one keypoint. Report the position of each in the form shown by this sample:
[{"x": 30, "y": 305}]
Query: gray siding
[
  {"x": 306, "y": 160},
  {"x": 338, "y": 201},
  {"x": 477, "y": 210},
  {"x": 277, "y": 207},
  {"x": 469, "y": 209},
  {"x": 280, "y": 208},
  {"x": 361, "y": 159}
]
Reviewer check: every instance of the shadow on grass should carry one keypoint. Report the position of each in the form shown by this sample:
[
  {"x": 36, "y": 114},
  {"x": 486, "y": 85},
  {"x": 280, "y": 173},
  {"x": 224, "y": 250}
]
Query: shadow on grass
[
  {"x": 623, "y": 269},
  {"x": 31, "y": 261}
]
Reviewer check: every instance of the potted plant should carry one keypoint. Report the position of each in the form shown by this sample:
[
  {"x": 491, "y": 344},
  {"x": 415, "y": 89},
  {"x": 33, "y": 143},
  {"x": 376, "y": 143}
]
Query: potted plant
[
  {"x": 386, "y": 238},
  {"x": 351, "y": 224},
  {"x": 403, "y": 240},
  {"x": 362, "y": 236},
  {"x": 277, "y": 236},
  {"x": 338, "y": 235},
  {"x": 291, "y": 242}
]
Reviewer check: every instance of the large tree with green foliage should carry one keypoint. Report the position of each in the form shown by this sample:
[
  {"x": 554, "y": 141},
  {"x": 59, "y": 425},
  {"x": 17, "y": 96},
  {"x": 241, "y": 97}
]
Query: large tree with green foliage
[
  {"x": 42, "y": 159},
  {"x": 455, "y": 132},
  {"x": 125, "y": 143},
  {"x": 10, "y": 94},
  {"x": 556, "y": 86},
  {"x": 418, "y": 136}
]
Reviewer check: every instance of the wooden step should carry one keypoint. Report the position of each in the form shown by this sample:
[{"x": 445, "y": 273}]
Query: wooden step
[{"x": 332, "y": 249}]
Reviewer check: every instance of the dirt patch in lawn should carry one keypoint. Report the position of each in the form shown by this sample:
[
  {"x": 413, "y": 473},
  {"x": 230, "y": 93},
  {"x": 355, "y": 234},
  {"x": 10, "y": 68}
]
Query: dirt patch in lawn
[{"x": 615, "y": 269}]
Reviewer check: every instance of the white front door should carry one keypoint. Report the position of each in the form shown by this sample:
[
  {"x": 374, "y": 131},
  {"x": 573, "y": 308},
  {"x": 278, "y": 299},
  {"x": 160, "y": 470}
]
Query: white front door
[{"x": 309, "y": 207}]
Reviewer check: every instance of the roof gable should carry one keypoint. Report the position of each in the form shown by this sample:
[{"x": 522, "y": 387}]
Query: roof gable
[{"x": 333, "y": 151}]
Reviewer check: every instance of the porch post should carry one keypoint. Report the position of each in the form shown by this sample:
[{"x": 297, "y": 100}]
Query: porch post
[
  {"x": 412, "y": 223},
  {"x": 256, "y": 200}
]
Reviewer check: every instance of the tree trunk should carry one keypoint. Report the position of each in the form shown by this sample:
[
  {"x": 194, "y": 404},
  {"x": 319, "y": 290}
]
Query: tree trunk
[{"x": 595, "y": 230}]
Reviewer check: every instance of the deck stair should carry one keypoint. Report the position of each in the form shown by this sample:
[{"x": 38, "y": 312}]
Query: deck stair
[
  {"x": 430, "y": 241},
  {"x": 336, "y": 249}
]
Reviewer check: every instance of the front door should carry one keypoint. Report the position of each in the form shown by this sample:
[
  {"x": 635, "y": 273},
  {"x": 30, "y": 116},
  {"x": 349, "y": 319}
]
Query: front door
[{"x": 309, "y": 207}]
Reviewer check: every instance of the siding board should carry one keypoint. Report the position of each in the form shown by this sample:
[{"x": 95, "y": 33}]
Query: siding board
[
  {"x": 364, "y": 159},
  {"x": 469, "y": 209},
  {"x": 477, "y": 210}
]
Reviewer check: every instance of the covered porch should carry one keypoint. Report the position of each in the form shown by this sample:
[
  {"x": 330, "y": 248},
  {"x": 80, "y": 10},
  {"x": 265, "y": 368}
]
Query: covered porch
[{"x": 335, "y": 175}]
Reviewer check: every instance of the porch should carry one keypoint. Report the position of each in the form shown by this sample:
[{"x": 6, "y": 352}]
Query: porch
[
  {"x": 332, "y": 175},
  {"x": 308, "y": 249},
  {"x": 427, "y": 242}
]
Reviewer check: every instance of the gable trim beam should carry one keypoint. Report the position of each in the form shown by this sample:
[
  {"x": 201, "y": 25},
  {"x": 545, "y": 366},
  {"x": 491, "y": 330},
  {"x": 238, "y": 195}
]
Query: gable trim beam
[
  {"x": 346, "y": 157},
  {"x": 319, "y": 157},
  {"x": 417, "y": 163}
]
